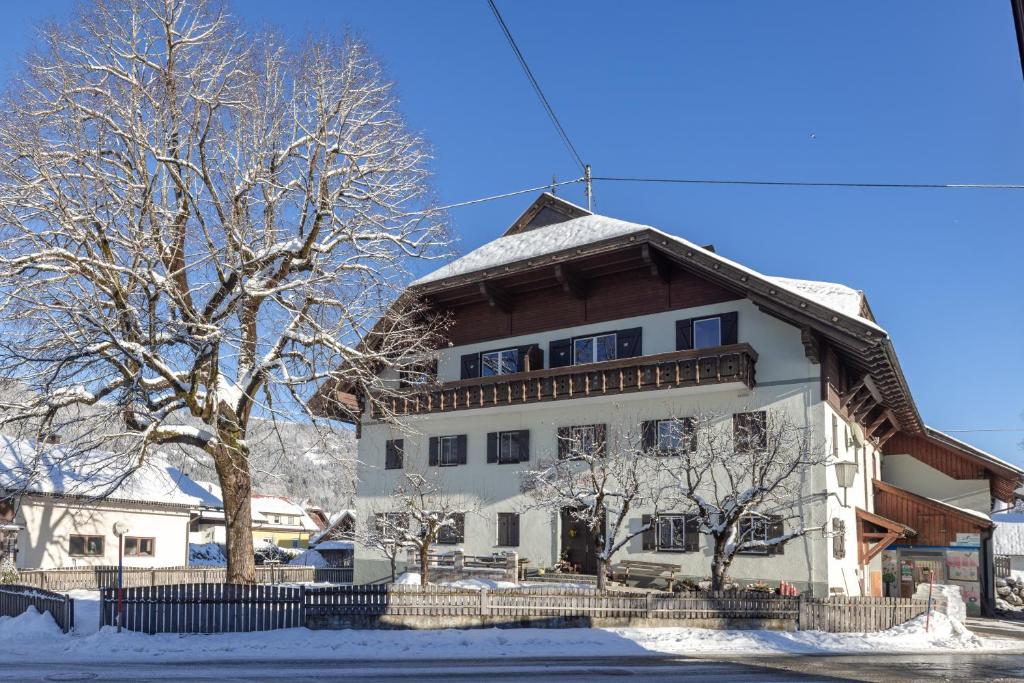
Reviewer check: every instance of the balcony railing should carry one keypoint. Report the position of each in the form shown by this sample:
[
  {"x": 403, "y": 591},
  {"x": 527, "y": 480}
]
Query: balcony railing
[{"x": 719, "y": 365}]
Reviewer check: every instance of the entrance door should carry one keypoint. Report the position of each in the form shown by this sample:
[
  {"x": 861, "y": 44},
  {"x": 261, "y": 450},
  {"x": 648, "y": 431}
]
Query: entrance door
[{"x": 578, "y": 545}]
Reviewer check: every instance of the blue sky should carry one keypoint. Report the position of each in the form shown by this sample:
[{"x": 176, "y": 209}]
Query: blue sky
[{"x": 927, "y": 91}]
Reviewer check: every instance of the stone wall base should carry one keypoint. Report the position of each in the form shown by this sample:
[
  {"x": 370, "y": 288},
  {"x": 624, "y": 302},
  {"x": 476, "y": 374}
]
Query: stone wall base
[{"x": 390, "y": 621}]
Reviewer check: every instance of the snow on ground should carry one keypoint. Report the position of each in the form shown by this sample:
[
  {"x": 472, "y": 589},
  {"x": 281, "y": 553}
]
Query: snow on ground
[
  {"x": 309, "y": 558},
  {"x": 35, "y": 637}
]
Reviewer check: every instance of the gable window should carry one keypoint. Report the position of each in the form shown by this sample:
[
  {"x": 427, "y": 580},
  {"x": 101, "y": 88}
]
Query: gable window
[
  {"x": 593, "y": 349},
  {"x": 139, "y": 547},
  {"x": 85, "y": 546},
  {"x": 581, "y": 441},
  {"x": 394, "y": 454},
  {"x": 454, "y": 532},
  {"x": 447, "y": 451},
  {"x": 707, "y": 332},
  {"x": 749, "y": 431},
  {"x": 760, "y": 529},
  {"x": 508, "y": 447},
  {"x": 508, "y": 529},
  {"x": 504, "y": 362}
]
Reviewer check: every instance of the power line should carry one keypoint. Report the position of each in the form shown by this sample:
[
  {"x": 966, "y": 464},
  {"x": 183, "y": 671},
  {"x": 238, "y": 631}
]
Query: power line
[
  {"x": 811, "y": 183},
  {"x": 536, "y": 87},
  {"x": 962, "y": 431},
  {"x": 547, "y": 186}
]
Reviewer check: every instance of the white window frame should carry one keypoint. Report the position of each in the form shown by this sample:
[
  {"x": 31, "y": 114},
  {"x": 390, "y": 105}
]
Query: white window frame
[
  {"x": 452, "y": 451},
  {"x": 674, "y": 519},
  {"x": 593, "y": 348},
  {"x": 698, "y": 321},
  {"x": 501, "y": 357}
]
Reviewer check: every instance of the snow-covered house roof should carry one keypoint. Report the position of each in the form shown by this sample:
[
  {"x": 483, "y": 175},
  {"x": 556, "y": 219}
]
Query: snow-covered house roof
[
  {"x": 30, "y": 467},
  {"x": 332, "y": 524},
  {"x": 271, "y": 507},
  {"x": 1008, "y": 536}
]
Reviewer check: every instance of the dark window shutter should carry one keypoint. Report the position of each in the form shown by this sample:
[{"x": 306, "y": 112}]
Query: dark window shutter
[
  {"x": 648, "y": 536},
  {"x": 529, "y": 358},
  {"x": 433, "y": 451},
  {"x": 393, "y": 454},
  {"x": 600, "y": 439},
  {"x": 460, "y": 445},
  {"x": 513, "y": 529},
  {"x": 536, "y": 356},
  {"x": 470, "y": 365},
  {"x": 560, "y": 353},
  {"x": 649, "y": 435},
  {"x": 684, "y": 334},
  {"x": 492, "y": 447},
  {"x": 524, "y": 446},
  {"x": 564, "y": 437},
  {"x": 630, "y": 343},
  {"x": 503, "y": 536},
  {"x": 775, "y": 530},
  {"x": 664, "y": 537},
  {"x": 729, "y": 327},
  {"x": 690, "y": 433},
  {"x": 692, "y": 533}
]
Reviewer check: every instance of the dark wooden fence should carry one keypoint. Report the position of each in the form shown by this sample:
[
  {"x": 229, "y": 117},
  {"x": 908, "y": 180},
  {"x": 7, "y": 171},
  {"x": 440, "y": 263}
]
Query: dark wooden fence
[
  {"x": 98, "y": 578},
  {"x": 1002, "y": 563},
  {"x": 205, "y": 608},
  {"x": 15, "y": 599}
]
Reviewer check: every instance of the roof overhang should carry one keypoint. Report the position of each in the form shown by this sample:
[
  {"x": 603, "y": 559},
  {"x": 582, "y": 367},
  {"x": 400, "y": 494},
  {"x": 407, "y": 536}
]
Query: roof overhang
[
  {"x": 876, "y": 533},
  {"x": 975, "y": 518}
]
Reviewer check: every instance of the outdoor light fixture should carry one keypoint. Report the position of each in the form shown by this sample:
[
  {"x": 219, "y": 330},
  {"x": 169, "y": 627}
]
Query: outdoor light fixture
[{"x": 845, "y": 473}]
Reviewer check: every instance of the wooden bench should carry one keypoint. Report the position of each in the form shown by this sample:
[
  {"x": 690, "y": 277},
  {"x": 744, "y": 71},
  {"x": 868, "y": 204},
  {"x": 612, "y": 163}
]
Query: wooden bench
[{"x": 653, "y": 571}]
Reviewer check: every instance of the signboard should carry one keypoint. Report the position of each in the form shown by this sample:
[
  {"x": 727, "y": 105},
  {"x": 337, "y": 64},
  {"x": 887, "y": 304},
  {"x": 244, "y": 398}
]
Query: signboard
[
  {"x": 971, "y": 593},
  {"x": 973, "y": 540},
  {"x": 962, "y": 565}
]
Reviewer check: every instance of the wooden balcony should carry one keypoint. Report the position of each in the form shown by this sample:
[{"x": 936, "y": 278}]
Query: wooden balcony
[{"x": 700, "y": 367}]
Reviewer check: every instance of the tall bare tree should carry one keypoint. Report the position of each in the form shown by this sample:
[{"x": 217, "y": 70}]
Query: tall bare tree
[
  {"x": 198, "y": 225},
  {"x": 601, "y": 484},
  {"x": 743, "y": 480}
]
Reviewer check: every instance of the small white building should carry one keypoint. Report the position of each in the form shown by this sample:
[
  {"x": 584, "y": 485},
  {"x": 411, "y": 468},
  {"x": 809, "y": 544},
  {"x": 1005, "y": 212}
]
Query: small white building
[
  {"x": 62, "y": 509},
  {"x": 1008, "y": 538}
]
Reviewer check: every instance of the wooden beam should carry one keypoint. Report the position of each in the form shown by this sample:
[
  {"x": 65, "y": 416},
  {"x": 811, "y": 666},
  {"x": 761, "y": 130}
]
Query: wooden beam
[
  {"x": 657, "y": 263},
  {"x": 571, "y": 281},
  {"x": 812, "y": 345},
  {"x": 852, "y": 393},
  {"x": 496, "y": 296},
  {"x": 888, "y": 434}
]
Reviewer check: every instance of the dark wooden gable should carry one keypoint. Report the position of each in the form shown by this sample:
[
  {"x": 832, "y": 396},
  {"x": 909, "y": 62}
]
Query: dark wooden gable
[{"x": 546, "y": 210}]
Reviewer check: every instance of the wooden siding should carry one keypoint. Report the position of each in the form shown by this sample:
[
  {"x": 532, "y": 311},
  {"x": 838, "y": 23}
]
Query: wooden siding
[
  {"x": 935, "y": 523},
  {"x": 954, "y": 463},
  {"x": 608, "y": 297}
]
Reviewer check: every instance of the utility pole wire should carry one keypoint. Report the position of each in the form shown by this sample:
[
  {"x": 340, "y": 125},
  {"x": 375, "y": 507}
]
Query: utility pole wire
[
  {"x": 803, "y": 183},
  {"x": 536, "y": 87},
  {"x": 549, "y": 186}
]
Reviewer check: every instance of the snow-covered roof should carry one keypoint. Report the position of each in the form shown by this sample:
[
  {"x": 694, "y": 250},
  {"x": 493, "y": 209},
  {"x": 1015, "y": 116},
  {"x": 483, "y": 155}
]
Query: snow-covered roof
[
  {"x": 268, "y": 506},
  {"x": 578, "y": 232},
  {"x": 335, "y": 545},
  {"x": 50, "y": 469},
  {"x": 331, "y": 523},
  {"x": 1008, "y": 536},
  {"x": 966, "y": 511},
  {"x": 984, "y": 455}
]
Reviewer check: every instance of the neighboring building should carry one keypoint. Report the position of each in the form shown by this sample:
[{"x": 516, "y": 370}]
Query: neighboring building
[
  {"x": 275, "y": 520},
  {"x": 335, "y": 541},
  {"x": 61, "y": 511},
  {"x": 574, "y": 321},
  {"x": 1008, "y": 539}
]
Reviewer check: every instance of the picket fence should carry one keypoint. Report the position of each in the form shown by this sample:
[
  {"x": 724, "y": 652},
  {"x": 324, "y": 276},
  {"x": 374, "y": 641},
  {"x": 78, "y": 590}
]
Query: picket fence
[
  {"x": 98, "y": 578},
  {"x": 15, "y": 599},
  {"x": 218, "y": 608}
]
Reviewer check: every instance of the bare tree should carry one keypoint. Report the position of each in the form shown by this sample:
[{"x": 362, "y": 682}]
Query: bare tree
[
  {"x": 199, "y": 226},
  {"x": 743, "y": 480},
  {"x": 382, "y": 533},
  {"x": 600, "y": 484},
  {"x": 422, "y": 513}
]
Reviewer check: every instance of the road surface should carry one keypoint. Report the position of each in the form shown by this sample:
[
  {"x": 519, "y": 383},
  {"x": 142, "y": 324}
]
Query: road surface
[{"x": 887, "y": 668}]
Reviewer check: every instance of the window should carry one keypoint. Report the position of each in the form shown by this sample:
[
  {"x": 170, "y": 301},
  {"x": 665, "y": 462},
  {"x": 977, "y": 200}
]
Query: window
[
  {"x": 454, "y": 532},
  {"x": 295, "y": 543},
  {"x": 707, "y": 332},
  {"x": 139, "y": 547},
  {"x": 749, "y": 431},
  {"x": 508, "y": 447},
  {"x": 447, "y": 451},
  {"x": 758, "y": 528},
  {"x": 678, "y": 533},
  {"x": 677, "y": 436},
  {"x": 276, "y": 519},
  {"x": 508, "y": 529},
  {"x": 392, "y": 524},
  {"x": 593, "y": 349},
  {"x": 503, "y": 362},
  {"x": 580, "y": 440},
  {"x": 393, "y": 454},
  {"x": 86, "y": 546}
]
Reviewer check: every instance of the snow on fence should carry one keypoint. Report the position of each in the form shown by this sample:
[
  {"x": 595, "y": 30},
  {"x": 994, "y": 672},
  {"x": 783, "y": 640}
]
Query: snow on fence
[
  {"x": 15, "y": 599},
  {"x": 842, "y": 614},
  {"x": 98, "y": 578}
]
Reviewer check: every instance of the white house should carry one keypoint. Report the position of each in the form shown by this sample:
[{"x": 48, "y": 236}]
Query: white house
[
  {"x": 575, "y": 321},
  {"x": 62, "y": 510}
]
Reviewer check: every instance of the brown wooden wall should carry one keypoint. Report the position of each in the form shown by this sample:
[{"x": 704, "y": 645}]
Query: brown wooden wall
[
  {"x": 934, "y": 524},
  {"x": 946, "y": 460},
  {"x": 610, "y": 297}
]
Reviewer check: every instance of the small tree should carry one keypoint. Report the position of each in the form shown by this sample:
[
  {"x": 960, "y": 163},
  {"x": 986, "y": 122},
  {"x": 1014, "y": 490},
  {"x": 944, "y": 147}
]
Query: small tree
[
  {"x": 8, "y": 572},
  {"x": 423, "y": 512},
  {"x": 743, "y": 481},
  {"x": 600, "y": 485},
  {"x": 383, "y": 533}
]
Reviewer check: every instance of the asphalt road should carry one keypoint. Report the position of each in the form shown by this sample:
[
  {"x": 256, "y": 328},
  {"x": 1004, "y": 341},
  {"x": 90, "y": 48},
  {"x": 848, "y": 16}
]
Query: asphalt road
[{"x": 888, "y": 668}]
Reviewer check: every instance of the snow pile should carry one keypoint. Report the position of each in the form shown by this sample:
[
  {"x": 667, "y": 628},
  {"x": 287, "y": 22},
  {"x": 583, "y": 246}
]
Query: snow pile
[
  {"x": 206, "y": 555},
  {"x": 830, "y": 294},
  {"x": 409, "y": 579},
  {"x": 477, "y": 584},
  {"x": 87, "y": 611},
  {"x": 309, "y": 558},
  {"x": 29, "y": 626}
]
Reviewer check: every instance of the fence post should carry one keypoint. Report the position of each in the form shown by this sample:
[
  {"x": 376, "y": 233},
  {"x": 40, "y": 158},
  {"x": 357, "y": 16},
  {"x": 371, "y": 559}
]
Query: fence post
[
  {"x": 512, "y": 566},
  {"x": 152, "y": 577},
  {"x": 650, "y": 605},
  {"x": 459, "y": 561},
  {"x": 801, "y": 613},
  {"x": 485, "y": 603},
  {"x": 302, "y": 603}
]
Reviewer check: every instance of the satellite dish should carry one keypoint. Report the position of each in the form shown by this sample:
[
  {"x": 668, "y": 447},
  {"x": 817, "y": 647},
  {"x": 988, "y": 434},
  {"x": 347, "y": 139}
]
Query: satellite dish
[{"x": 121, "y": 528}]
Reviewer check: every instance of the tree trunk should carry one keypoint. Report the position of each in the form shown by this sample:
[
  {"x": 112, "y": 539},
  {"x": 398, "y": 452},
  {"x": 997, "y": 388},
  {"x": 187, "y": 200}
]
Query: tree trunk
[
  {"x": 236, "y": 493},
  {"x": 719, "y": 564},
  {"x": 602, "y": 573},
  {"x": 394, "y": 566},
  {"x": 424, "y": 563}
]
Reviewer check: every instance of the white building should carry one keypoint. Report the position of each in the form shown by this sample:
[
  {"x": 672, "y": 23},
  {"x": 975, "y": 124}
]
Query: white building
[
  {"x": 62, "y": 510},
  {"x": 575, "y": 320}
]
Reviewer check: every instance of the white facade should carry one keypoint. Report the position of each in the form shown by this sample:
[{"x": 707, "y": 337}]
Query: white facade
[{"x": 786, "y": 381}]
